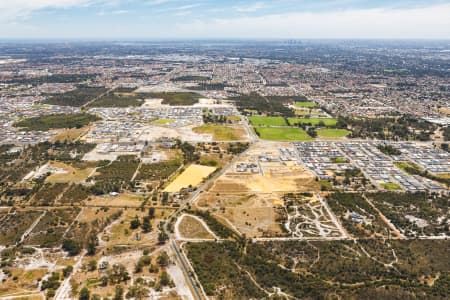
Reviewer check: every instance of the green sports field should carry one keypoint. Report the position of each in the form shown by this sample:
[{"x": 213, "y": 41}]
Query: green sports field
[
  {"x": 313, "y": 121},
  {"x": 308, "y": 104},
  {"x": 282, "y": 134},
  {"x": 332, "y": 133},
  {"x": 267, "y": 121}
]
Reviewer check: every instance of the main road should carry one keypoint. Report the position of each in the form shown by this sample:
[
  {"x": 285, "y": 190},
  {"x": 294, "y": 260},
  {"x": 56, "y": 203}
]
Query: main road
[{"x": 185, "y": 266}]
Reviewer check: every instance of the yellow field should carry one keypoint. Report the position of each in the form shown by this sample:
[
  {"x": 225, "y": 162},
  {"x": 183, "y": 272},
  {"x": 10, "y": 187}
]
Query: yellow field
[
  {"x": 192, "y": 176},
  {"x": 72, "y": 175},
  {"x": 445, "y": 110}
]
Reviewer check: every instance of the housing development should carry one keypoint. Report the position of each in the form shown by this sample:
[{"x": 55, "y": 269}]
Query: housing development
[{"x": 225, "y": 170}]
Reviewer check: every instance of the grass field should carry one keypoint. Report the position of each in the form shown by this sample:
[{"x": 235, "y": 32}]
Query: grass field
[
  {"x": 192, "y": 176},
  {"x": 282, "y": 134},
  {"x": 220, "y": 132},
  {"x": 313, "y": 121},
  {"x": 163, "y": 121},
  {"x": 327, "y": 133},
  {"x": 308, "y": 104},
  {"x": 267, "y": 121}
]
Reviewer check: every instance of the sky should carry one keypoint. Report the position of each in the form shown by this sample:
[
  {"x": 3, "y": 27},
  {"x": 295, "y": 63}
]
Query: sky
[{"x": 224, "y": 19}]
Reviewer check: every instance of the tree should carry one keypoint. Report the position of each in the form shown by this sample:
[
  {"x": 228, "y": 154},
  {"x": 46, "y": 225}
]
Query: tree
[
  {"x": 135, "y": 223},
  {"x": 164, "y": 279},
  {"x": 118, "y": 273},
  {"x": 84, "y": 294},
  {"x": 163, "y": 259},
  {"x": 72, "y": 247},
  {"x": 138, "y": 292},
  {"x": 162, "y": 237},
  {"x": 92, "y": 245},
  {"x": 92, "y": 265},
  {"x": 118, "y": 294},
  {"x": 67, "y": 271},
  {"x": 146, "y": 224},
  {"x": 151, "y": 212}
]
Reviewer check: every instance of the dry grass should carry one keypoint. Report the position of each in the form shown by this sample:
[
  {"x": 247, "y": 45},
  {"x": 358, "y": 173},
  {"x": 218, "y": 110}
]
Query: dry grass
[
  {"x": 26, "y": 282},
  {"x": 70, "y": 135},
  {"x": 122, "y": 200},
  {"x": 73, "y": 174},
  {"x": 191, "y": 228}
]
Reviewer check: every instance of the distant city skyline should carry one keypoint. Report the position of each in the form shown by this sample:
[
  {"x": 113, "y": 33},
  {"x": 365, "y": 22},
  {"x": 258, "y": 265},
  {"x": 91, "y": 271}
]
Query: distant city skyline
[{"x": 183, "y": 19}]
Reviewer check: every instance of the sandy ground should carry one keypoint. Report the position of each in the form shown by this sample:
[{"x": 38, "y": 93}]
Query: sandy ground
[
  {"x": 180, "y": 282},
  {"x": 192, "y": 176}
]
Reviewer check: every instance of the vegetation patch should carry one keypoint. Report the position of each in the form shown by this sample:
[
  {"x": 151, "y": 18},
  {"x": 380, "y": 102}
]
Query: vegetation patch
[
  {"x": 306, "y": 104},
  {"x": 365, "y": 269},
  {"x": 14, "y": 224},
  {"x": 120, "y": 98},
  {"x": 158, "y": 171},
  {"x": 51, "y": 228},
  {"x": 78, "y": 97},
  {"x": 357, "y": 216},
  {"x": 415, "y": 214},
  {"x": 115, "y": 176},
  {"x": 177, "y": 98},
  {"x": 45, "y": 123}
]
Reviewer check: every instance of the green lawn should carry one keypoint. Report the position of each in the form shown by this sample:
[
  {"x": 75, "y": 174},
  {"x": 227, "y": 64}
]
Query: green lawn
[
  {"x": 282, "y": 134},
  {"x": 391, "y": 186},
  {"x": 163, "y": 121},
  {"x": 308, "y": 104},
  {"x": 267, "y": 121},
  {"x": 332, "y": 133},
  {"x": 313, "y": 121}
]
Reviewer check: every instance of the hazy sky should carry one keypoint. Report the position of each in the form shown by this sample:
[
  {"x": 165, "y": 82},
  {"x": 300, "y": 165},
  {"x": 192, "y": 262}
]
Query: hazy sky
[{"x": 139, "y": 19}]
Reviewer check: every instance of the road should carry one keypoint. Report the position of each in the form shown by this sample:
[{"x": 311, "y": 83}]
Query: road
[{"x": 172, "y": 238}]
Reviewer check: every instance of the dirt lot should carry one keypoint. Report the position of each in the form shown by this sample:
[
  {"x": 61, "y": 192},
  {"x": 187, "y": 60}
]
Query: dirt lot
[
  {"x": 252, "y": 202},
  {"x": 252, "y": 214}
]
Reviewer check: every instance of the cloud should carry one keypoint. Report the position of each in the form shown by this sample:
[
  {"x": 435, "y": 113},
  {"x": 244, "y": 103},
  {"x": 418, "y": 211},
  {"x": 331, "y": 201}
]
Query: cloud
[
  {"x": 11, "y": 10},
  {"x": 251, "y": 7},
  {"x": 417, "y": 22}
]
